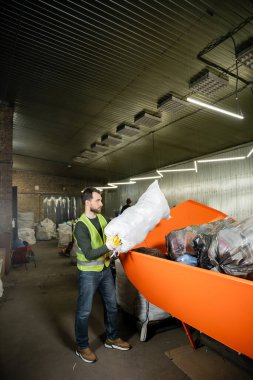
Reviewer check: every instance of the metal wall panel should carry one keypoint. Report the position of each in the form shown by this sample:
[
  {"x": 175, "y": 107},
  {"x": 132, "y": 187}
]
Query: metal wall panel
[{"x": 226, "y": 186}]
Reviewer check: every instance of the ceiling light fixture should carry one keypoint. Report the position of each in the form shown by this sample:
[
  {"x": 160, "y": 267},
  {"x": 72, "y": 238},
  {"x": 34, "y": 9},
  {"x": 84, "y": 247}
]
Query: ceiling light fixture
[
  {"x": 111, "y": 139},
  {"x": 221, "y": 159},
  {"x": 174, "y": 170},
  {"x": 207, "y": 82},
  {"x": 160, "y": 171},
  {"x": 250, "y": 153},
  {"x": 106, "y": 187},
  {"x": 121, "y": 183},
  {"x": 171, "y": 104},
  {"x": 147, "y": 119},
  {"x": 127, "y": 130},
  {"x": 99, "y": 147},
  {"x": 146, "y": 178},
  {"x": 211, "y": 107},
  {"x": 245, "y": 56}
]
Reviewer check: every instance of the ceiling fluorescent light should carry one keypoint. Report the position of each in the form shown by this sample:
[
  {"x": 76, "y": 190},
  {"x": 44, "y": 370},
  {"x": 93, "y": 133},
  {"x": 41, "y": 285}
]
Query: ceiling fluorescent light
[
  {"x": 121, "y": 183},
  {"x": 175, "y": 170},
  {"x": 88, "y": 153},
  {"x": 111, "y": 139},
  {"x": 127, "y": 130},
  {"x": 245, "y": 56},
  {"x": 106, "y": 187},
  {"x": 250, "y": 153},
  {"x": 211, "y": 107},
  {"x": 80, "y": 160},
  {"x": 99, "y": 147},
  {"x": 195, "y": 166},
  {"x": 171, "y": 104},
  {"x": 221, "y": 159},
  {"x": 195, "y": 169},
  {"x": 147, "y": 119},
  {"x": 207, "y": 82},
  {"x": 145, "y": 178}
]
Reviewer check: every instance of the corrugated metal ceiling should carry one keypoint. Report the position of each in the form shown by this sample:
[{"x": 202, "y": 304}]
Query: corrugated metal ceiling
[{"x": 75, "y": 70}]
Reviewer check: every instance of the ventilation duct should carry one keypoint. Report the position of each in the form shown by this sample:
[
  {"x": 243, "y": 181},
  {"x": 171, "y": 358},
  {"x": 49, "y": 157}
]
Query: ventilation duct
[
  {"x": 171, "y": 104},
  {"x": 80, "y": 160},
  {"x": 245, "y": 55},
  {"x": 111, "y": 139},
  {"x": 99, "y": 147},
  {"x": 207, "y": 82},
  {"x": 88, "y": 153},
  {"x": 147, "y": 119},
  {"x": 127, "y": 130}
]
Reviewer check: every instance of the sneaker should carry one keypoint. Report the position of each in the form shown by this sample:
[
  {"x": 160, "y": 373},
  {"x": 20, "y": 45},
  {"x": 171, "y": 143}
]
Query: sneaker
[
  {"x": 86, "y": 354},
  {"x": 118, "y": 343}
]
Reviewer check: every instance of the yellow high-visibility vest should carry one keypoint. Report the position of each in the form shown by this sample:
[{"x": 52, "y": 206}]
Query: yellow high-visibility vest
[{"x": 98, "y": 264}]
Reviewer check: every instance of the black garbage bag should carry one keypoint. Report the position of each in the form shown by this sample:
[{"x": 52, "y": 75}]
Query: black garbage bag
[
  {"x": 178, "y": 242},
  {"x": 181, "y": 241},
  {"x": 231, "y": 250},
  {"x": 201, "y": 245}
]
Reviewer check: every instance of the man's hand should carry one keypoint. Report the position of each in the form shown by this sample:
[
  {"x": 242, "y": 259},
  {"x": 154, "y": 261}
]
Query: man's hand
[{"x": 113, "y": 242}]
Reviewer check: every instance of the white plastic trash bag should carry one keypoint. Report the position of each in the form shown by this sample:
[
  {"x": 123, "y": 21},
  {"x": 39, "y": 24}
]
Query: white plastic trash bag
[
  {"x": 64, "y": 235},
  {"x": 45, "y": 230},
  {"x": 42, "y": 233},
  {"x": 27, "y": 234},
  {"x": 49, "y": 226},
  {"x": 133, "y": 225}
]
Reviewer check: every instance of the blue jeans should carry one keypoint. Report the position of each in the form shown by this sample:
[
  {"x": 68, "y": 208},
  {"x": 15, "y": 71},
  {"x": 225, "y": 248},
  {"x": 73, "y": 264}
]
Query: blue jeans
[{"x": 88, "y": 283}]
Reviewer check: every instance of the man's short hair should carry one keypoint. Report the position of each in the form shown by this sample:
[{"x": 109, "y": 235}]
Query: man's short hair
[
  {"x": 128, "y": 201},
  {"x": 87, "y": 194}
]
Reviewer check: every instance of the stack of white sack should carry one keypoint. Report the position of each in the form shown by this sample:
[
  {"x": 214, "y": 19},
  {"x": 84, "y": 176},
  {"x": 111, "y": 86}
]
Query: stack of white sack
[
  {"x": 27, "y": 234},
  {"x": 25, "y": 220},
  {"x": 133, "y": 225},
  {"x": 64, "y": 234},
  {"x": 26, "y": 227},
  {"x": 45, "y": 230}
]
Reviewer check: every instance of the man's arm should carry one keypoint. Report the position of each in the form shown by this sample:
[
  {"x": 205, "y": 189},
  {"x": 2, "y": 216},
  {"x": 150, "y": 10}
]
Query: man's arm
[{"x": 82, "y": 236}]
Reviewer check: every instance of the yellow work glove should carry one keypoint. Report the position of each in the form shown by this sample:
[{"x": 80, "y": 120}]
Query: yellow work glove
[
  {"x": 113, "y": 242},
  {"x": 116, "y": 241}
]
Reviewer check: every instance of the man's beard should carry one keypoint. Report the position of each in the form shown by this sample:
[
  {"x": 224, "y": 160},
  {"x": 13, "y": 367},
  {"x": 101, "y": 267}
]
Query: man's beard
[{"x": 96, "y": 210}]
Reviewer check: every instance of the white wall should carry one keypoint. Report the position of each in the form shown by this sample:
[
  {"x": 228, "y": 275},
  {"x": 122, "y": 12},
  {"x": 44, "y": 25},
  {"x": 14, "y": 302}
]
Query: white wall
[{"x": 226, "y": 186}]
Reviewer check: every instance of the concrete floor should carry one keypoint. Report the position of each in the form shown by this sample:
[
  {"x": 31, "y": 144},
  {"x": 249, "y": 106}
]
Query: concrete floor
[{"x": 37, "y": 330}]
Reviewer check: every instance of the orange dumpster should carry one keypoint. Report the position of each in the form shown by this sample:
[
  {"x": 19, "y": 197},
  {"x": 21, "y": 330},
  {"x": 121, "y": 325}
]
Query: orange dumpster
[{"x": 219, "y": 305}]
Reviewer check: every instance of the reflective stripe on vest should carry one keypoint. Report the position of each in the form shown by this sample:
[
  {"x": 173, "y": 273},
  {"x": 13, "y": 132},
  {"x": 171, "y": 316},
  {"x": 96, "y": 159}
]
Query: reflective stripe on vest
[
  {"x": 90, "y": 263},
  {"x": 98, "y": 264}
]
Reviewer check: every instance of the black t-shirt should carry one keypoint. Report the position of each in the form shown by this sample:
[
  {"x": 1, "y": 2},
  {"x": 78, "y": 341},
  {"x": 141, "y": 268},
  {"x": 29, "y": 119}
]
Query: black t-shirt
[{"x": 83, "y": 238}]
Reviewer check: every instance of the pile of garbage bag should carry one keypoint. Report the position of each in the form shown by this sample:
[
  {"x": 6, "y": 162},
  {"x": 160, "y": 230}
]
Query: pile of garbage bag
[
  {"x": 225, "y": 246},
  {"x": 179, "y": 242}
]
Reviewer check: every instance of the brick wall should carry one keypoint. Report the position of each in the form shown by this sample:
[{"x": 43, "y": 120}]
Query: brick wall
[
  {"x": 6, "y": 130},
  {"x": 30, "y": 199}
]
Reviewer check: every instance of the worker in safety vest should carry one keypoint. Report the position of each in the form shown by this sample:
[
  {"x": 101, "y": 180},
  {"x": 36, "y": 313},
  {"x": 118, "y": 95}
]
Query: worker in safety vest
[{"x": 94, "y": 273}]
